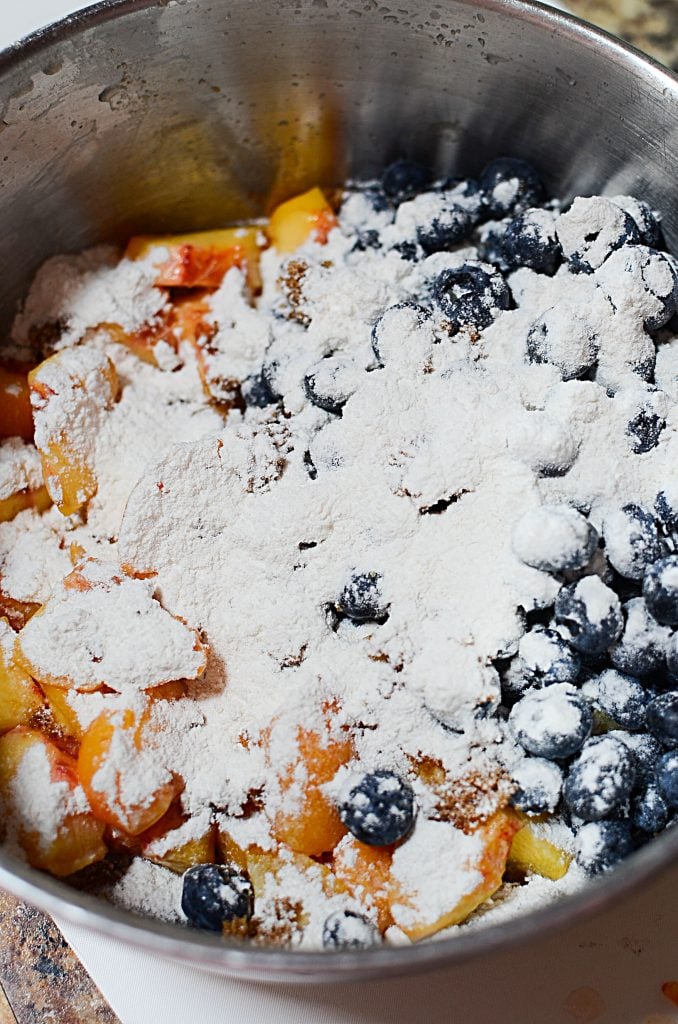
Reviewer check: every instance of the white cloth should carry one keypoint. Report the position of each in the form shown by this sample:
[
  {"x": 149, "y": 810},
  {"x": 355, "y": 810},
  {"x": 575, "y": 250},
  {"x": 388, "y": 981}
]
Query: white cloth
[{"x": 608, "y": 970}]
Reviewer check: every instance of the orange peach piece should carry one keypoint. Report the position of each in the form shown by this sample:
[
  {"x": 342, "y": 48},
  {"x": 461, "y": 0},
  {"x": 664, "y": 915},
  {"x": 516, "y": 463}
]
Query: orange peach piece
[
  {"x": 69, "y": 392},
  {"x": 107, "y": 777},
  {"x": 19, "y": 696},
  {"x": 309, "y": 821},
  {"x": 63, "y": 713},
  {"x": 79, "y": 838},
  {"x": 173, "y": 844},
  {"x": 10, "y": 507},
  {"x": 418, "y": 896},
  {"x": 199, "y": 259},
  {"x": 16, "y": 415},
  {"x": 308, "y": 215},
  {"x": 365, "y": 872},
  {"x": 16, "y": 612},
  {"x": 531, "y": 852}
]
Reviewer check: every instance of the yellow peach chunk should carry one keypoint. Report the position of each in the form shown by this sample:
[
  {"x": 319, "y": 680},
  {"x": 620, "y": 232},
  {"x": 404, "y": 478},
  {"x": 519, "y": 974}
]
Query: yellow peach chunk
[
  {"x": 530, "y": 852},
  {"x": 19, "y": 696},
  {"x": 440, "y": 874},
  {"x": 199, "y": 259},
  {"x": 62, "y": 711},
  {"x": 365, "y": 872},
  {"x": 34, "y": 770},
  {"x": 123, "y": 775},
  {"x": 308, "y": 215},
  {"x": 16, "y": 416},
  {"x": 178, "y": 843},
  {"x": 10, "y": 507},
  {"x": 308, "y": 820},
  {"x": 71, "y": 392}
]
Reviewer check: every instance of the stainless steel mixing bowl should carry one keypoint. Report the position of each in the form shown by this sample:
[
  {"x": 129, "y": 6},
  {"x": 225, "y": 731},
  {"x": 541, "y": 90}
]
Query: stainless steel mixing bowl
[{"x": 145, "y": 115}]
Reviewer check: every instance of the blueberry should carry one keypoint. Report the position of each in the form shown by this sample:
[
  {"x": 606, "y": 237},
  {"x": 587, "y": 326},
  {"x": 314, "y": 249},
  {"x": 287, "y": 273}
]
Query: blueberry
[
  {"x": 214, "y": 894},
  {"x": 667, "y": 777},
  {"x": 592, "y": 613},
  {"x": 600, "y": 781},
  {"x": 643, "y": 282},
  {"x": 396, "y": 326},
  {"x": 345, "y": 929},
  {"x": 662, "y": 718},
  {"x": 491, "y": 246},
  {"x": 331, "y": 382},
  {"x": 471, "y": 295},
  {"x": 361, "y": 599},
  {"x": 376, "y": 197},
  {"x": 409, "y": 251},
  {"x": 666, "y": 508},
  {"x": 403, "y": 180},
  {"x": 514, "y": 684},
  {"x": 644, "y": 431},
  {"x": 568, "y": 342},
  {"x": 632, "y": 540},
  {"x": 641, "y": 649},
  {"x": 649, "y": 812},
  {"x": 644, "y": 217},
  {"x": 600, "y": 845},
  {"x": 370, "y": 239},
  {"x": 551, "y": 723},
  {"x": 546, "y": 657},
  {"x": 378, "y": 809},
  {"x": 554, "y": 538},
  {"x": 646, "y": 752},
  {"x": 619, "y": 698},
  {"x": 449, "y": 226},
  {"x": 660, "y": 590},
  {"x": 672, "y": 657},
  {"x": 257, "y": 391},
  {"x": 591, "y": 230},
  {"x": 538, "y": 786},
  {"x": 530, "y": 241},
  {"x": 510, "y": 185}
]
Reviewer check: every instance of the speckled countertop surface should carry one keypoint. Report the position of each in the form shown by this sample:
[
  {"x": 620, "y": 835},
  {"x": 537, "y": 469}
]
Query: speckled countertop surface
[{"x": 41, "y": 979}]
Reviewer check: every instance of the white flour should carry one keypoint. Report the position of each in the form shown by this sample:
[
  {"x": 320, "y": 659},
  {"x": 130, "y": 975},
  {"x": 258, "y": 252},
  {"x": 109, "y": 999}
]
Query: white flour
[{"x": 249, "y": 528}]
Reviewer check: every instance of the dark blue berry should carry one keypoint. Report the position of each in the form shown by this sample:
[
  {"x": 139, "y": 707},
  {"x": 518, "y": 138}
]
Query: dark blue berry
[
  {"x": 667, "y": 777},
  {"x": 491, "y": 246},
  {"x": 632, "y": 541},
  {"x": 409, "y": 251},
  {"x": 649, "y": 812},
  {"x": 644, "y": 217},
  {"x": 554, "y": 538},
  {"x": 662, "y": 718},
  {"x": 641, "y": 649},
  {"x": 403, "y": 180},
  {"x": 600, "y": 781},
  {"x": 376, "y": 197},
  {"x": 379, "y": 809},
  {"x": 509, "y": 185},
  {"x": 569, "y": 343},
  {"x": 592, "y": 614},
  {"x": 450, "y": 225},
  {"x": 345, "y": 929},
  {"x": 546, "y": 657},
  {"x": 367, "y": 240},
  {"x": 539, "y": 784},
  {"x": 600, "y": 845},
  {"x": 646, "y": 752},
  {"x": 591, "y": 230},
  {"x": 215, "y": 894},
  {"x": 551, "y": 723},
  {"x": 471, "y": 295},
  {"x": 395, "y": 327},
  {"x": 530, "y": 241},
  {"x": 331, "y": 382},
  {"x": 660, "y": 590},
  {"x": 666, "y": 509},
  {"x": 257, "y": 391},
  {"x": 644, "y": 431},
  {"x": 619, "y": 698},
  {"x": 362, "y": 600}
]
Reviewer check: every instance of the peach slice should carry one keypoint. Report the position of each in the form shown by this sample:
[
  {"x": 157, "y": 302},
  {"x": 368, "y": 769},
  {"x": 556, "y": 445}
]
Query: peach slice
[
  {"x": 102, "y": 628},
  {"x": 531, "y": 852},
  {"x": 19, "y": 696},
  {"x": 21, "y": 483},
  {"x": 33, "y": 772},
  {"x": 123, "y": 775},
  {"x": 308, "y": 215},
  {"x": 177, "y": 843},
  {"x": 71, "y": 392},
  {"x": 365, "y": 872},
  {"x": 308, "y": 820},
  {"x": 200, "y": 259},
  {"x": 440, "y": 874},
  {"x": 16, "y": 415}
]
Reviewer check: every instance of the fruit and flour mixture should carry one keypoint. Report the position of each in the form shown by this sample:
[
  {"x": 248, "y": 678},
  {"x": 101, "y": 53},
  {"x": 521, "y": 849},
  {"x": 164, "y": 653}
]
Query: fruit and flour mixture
[{"x": 338, "y": 570}]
